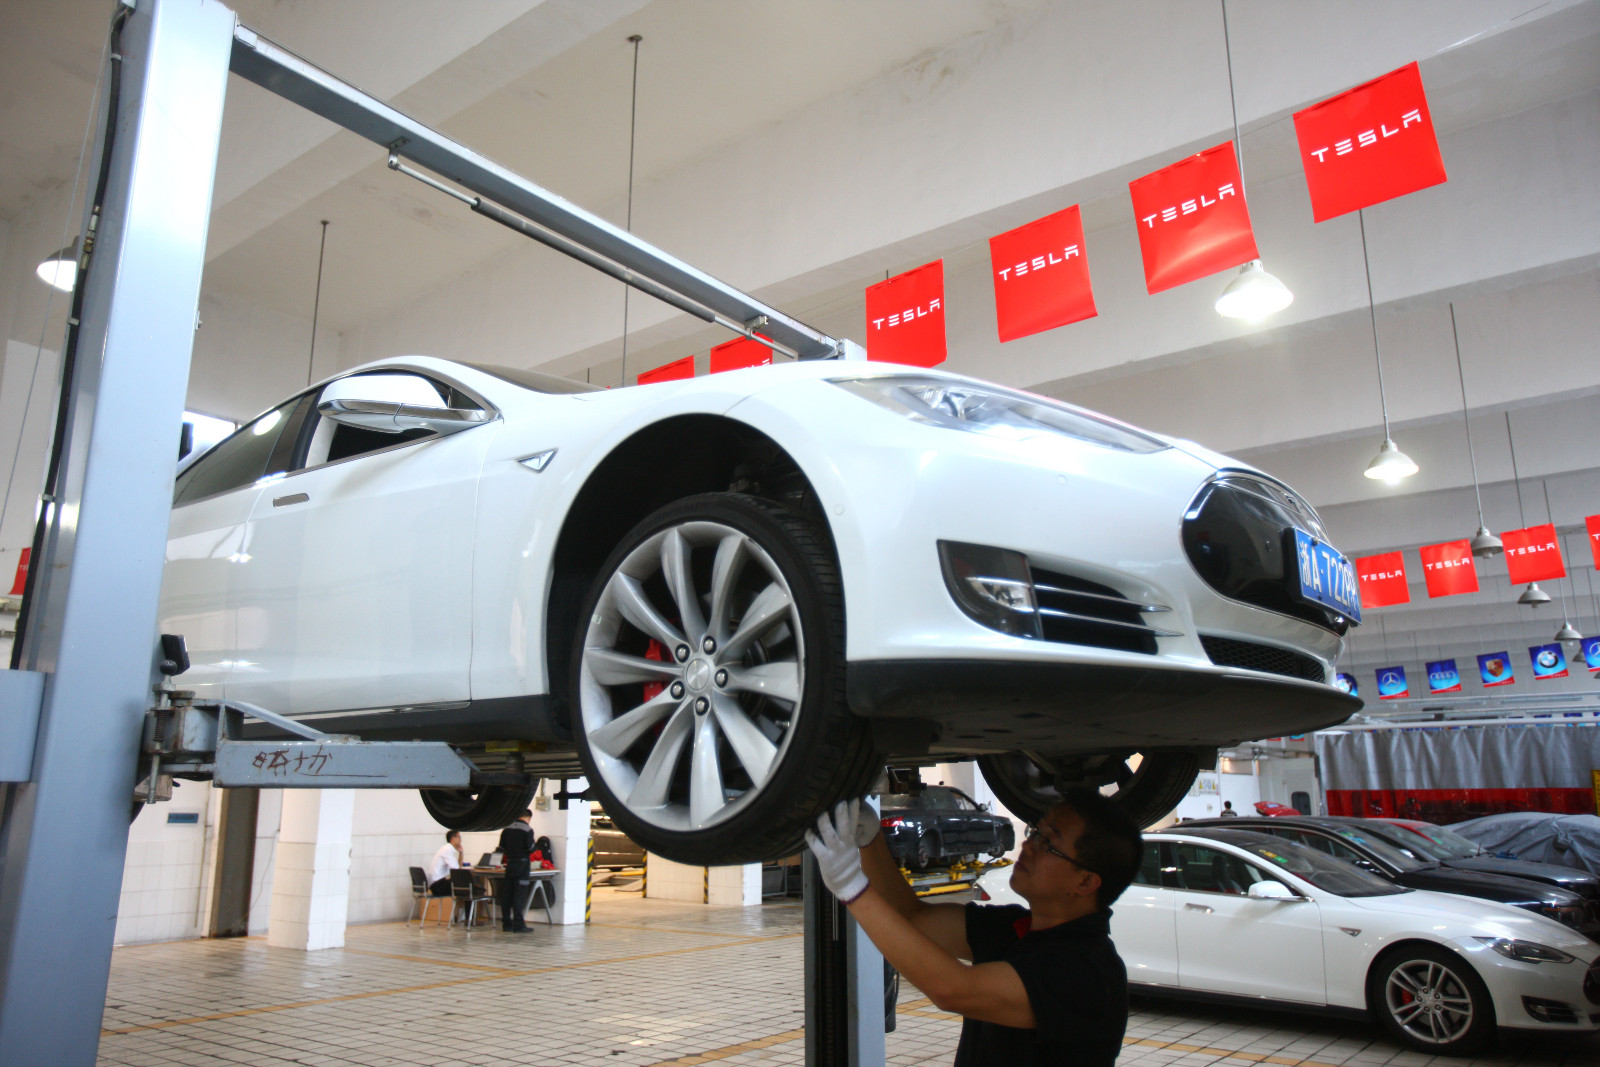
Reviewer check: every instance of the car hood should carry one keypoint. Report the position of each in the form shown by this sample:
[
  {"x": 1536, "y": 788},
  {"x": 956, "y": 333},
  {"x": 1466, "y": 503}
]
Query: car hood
[
  {"x": 1486, "y": 886},
  {"x": 1581, "y": 882},
  {"x": 1448, "y": 915}
]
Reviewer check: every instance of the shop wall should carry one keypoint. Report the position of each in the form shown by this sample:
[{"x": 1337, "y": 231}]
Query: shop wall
[{"x": 165, "y": 874}]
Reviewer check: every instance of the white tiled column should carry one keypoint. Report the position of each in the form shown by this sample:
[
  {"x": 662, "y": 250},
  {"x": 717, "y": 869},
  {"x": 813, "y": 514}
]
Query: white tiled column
[
  {"x": 311, "y": 875},
  {"x": 568, "y": 832},
  {"x": 739, "y": 885}
]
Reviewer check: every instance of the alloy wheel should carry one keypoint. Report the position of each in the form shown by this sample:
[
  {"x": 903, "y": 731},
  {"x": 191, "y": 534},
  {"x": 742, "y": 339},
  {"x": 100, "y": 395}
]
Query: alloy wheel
[
  {"x": 1429, "y": 1001},
  {"x": 691, "y": 675}
]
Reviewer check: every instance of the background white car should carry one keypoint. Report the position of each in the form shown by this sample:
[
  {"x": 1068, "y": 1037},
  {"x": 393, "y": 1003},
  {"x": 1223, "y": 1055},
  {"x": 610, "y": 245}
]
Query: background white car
[
  {"x": 728, "y": 601},
  {"x": 1235, "y": 914}
]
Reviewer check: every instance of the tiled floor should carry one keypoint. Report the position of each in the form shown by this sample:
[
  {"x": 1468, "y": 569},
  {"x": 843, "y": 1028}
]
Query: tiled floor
[{"x": 648, "y": 982}]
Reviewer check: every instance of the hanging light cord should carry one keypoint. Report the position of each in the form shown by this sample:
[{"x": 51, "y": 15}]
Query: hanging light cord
[
  {"x": 633, "y": 129},
  {"x": 1572, "y": 590},
  {"x": 1515, "y": 477},
  {"x": 316, "y": 304},
  {"x": 1372, "y": 309},
  {"x": 1233, "y": 102},
  {"x": 1465, "y": 420}
]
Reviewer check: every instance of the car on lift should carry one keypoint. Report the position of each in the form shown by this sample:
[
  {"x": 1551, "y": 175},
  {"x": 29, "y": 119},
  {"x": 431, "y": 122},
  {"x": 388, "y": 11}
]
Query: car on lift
[
  {"x": 940, "y": 824},
  {"x": 1236, "y": 916},
  {"x": 729, "y": 601},
  {"x": 1369, "y": 845}
]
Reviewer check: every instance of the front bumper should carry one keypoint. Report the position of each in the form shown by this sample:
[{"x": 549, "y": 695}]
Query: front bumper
[{"x": 1548, "y": 997}]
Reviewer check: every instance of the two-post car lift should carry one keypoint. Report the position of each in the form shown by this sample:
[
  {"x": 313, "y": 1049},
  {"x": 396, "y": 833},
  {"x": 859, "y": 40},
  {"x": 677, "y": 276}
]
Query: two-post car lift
[{"x": 75, "y": 716}]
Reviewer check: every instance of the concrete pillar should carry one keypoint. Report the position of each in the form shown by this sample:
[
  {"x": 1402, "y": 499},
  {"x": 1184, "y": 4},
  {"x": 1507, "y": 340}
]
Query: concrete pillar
[
  {"x": 568, "y": 832},
  {"x": 311, "y": 873},
  {"x": 738, "y": 886}
]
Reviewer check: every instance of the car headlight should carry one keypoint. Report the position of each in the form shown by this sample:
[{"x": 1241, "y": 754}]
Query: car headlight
[
  {"x": 1565, "y": 914},
  {"x": 1525, "y": 951},
  {"x": 989, "y": 409}
]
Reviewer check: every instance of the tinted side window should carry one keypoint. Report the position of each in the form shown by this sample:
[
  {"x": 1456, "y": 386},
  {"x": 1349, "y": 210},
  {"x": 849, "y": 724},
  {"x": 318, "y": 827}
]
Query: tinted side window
[
  {"x": 236, "y": 462},
  {"x": 1209, "y": 870},
  {"x": 1149, "y": 865}
]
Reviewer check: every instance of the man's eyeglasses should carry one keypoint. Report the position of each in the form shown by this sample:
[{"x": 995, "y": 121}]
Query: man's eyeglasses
[{"x": 1036, "y": 835}]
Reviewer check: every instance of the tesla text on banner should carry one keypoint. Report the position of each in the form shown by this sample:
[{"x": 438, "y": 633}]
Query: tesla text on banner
[
  {"x": 905, "y": 317},
  {"x": 1041, "y": 276},
  {"x": 1591, "y": 524},
  {"x": 1548, "y": 661},
  {"x": 1392, "y": 683},
  {"x": 738, "y": 353},
  {"x": 669, "y": 372},
  {"x": 1448, "y": 568},
  {"x": 1383, "y": 580},
  {"x": 1443, "y": 677},
  {"x": 1495, "y": 669},
  {"x": 1532, "y": 555},
  {"x": 1369, "y": 144},
  {"x": 1191, "y": 219},
  {"x": 20, "y": 583}
]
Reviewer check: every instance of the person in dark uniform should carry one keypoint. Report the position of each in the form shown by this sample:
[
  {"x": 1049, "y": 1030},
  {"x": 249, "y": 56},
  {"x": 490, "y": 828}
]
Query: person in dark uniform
[
  {"x": 516, "y": 842},
  {"x": 1045, "y": 985}
]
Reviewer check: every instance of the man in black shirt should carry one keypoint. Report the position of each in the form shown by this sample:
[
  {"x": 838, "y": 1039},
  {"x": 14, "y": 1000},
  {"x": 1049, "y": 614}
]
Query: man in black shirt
[
  {"x": 516, "y": 842},
  {"x": 1045, "y": 985}
]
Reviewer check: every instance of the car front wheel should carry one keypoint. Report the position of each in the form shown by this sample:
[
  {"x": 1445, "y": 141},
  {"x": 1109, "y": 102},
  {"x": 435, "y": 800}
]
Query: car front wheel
[
  {"x": 1431, "y": 1000},
  {"x": 1146, "y": 785},
  {"x": 708, "y": 682}
]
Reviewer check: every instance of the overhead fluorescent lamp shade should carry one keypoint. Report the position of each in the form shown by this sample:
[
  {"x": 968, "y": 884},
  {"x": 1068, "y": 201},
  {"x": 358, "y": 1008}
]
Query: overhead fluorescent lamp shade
[
  {"x": 1533, "y": 596},
  {"x": 1390, "y": 465},
  {"x": 60, "y": 271},
  {"x": 1253, "y": 294},
  {"x": 1486, "y": 544},
  {"x": 1568, "y": 632}
]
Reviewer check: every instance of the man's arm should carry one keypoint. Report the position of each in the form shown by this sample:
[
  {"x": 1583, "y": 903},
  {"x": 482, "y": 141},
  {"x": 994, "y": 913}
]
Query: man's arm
[
  {"x": 991, "y": 992},
  {"x": 943, "y": 924}
]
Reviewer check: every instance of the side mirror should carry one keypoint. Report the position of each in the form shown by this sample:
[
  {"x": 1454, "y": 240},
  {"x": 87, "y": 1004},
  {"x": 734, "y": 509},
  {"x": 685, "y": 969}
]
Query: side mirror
[
  {"x": 392, "y": 403},
  {"x": 1271, "y": 890}
]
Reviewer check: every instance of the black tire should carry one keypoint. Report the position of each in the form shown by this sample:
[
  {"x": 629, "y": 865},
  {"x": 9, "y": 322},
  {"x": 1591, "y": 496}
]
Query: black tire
[
  {"x": 927, "y": 852},
  {"x": 1148, "y": 793},
  {"x": 475, "y": 810},
  {"x": 816, "y": 752},
  {"x": 1431, "y": 1000}
]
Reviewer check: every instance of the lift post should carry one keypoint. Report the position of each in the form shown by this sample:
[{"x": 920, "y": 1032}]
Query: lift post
[
  {"x": 845, "y": 1003},
  {"x": 86, "y": 669}
]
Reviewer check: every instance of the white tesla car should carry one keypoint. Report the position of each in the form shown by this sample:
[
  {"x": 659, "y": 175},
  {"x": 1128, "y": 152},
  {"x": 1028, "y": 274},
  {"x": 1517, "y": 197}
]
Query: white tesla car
[
  {"x": 1241, "y": 916},
  {"x": 727, "y": 601}
]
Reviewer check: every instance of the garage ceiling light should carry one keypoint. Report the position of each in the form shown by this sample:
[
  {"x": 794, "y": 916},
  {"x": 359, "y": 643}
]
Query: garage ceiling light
[
  {"x": 1533, "y": 596},
  {"x": 1253, "y": 294},
  {"x": 60, "y": 269},
  {"x": 1390, "y": 465}
]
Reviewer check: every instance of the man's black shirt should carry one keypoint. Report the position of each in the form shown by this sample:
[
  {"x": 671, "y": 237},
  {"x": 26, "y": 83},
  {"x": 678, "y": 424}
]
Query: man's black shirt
[
  {"x": 516, "y": 841},
  {"x": 1076, "y": 984}
]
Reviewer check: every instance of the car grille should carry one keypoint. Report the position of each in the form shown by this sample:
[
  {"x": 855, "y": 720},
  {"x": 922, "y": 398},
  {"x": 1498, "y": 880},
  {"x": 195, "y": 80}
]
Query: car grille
[
  {"x": 1229, "y": 652},
  {"x": 1079, "y": 612}
]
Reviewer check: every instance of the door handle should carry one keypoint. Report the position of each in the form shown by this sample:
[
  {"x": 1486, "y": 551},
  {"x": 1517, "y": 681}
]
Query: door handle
[
  {"x": 292, "y": 498},
  {"x": 1199, "y": 907}
]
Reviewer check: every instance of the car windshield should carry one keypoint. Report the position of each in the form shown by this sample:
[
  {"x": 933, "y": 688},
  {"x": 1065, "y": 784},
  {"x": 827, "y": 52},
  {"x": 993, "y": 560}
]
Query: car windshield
[
  {"x": 532, "y": 379},
  {"x": 1436, "y": 841},
  {"x": 899, "y": 800},
  {"x": 1321, "y": 870},
  {"x": 1380, "y": 847}
]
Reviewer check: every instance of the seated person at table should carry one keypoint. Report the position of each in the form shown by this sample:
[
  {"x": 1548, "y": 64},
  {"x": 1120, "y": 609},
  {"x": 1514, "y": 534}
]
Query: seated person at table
[{"x": 447, "y": 859}]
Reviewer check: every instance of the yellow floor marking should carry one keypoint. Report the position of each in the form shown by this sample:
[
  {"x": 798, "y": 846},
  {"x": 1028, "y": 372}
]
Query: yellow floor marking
[{"x": 496, "y": 976}]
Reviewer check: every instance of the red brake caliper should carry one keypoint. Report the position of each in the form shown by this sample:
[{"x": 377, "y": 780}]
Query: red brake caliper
[{"x": 658, "y": 652}]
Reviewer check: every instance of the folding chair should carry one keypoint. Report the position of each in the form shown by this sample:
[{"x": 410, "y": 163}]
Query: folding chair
[
  {"x": 421, "y": 893},
  {"x": 465, "y": 893}
]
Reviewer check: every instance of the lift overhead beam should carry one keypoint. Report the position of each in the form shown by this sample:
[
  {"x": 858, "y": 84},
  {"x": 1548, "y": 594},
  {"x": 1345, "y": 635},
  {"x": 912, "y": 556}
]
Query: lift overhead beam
[{"x": 280, "y": 71}]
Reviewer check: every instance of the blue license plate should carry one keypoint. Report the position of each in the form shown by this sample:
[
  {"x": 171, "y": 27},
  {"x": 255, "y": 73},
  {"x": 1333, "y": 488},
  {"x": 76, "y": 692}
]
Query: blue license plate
[{"x": 1326, "y": 577}]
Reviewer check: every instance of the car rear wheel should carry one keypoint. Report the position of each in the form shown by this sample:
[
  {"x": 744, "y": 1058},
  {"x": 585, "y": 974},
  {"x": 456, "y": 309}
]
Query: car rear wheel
[
  {"x": 708, "y": 682},
  {"x": 926, "y": 847},
  {"x": 1431, "y": 1000},
  {"x": 475, "y": 810},
  {"x": 1147, "y": 785}
]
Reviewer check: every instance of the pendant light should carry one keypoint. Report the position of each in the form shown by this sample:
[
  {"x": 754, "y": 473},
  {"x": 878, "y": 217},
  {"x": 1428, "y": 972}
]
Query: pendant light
[
  {"x": 1253, "y": 294},
  {"x": 1484, "y": 543},
  {"x": 1390, "y": 465},
  {"x": 1532, "y": 596},
  {"x": 60, "y": 269},
  {"x": 1568, "y": 632}
]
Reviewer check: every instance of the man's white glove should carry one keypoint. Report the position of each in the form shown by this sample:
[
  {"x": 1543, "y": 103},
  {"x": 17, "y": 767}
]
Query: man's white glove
[{"x": 838, "y": 858}]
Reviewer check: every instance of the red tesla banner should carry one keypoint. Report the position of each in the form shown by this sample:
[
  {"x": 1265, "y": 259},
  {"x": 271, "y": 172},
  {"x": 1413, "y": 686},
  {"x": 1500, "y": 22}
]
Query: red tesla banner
[
  {"x": 1369, "y": 144},
  {"x": 1592, "y": 523},
  {"x": 905, "y": 317},
  {"x": 1448, "y": 568},
  {"x": 1532, "y": 555},
  {"x": 1191, "y": 219},
  {"x": 669, "y": 372},
  {"x": 21, "y": 581},
  {"x": 1383, "y": 580},
  {"x": 739, "y": 352},
  {"x": 1041, "y": 277}
]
